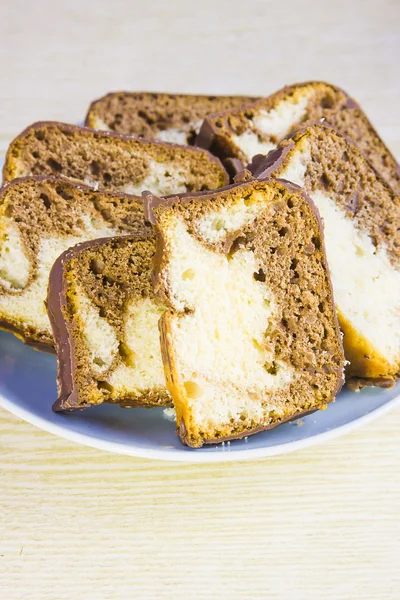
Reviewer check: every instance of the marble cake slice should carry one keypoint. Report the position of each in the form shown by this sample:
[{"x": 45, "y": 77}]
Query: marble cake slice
[
  {"x": 250, "y": 337},
  {"x": 40, "y": 217},
  {"x": 361, "y": 213},
  {"x": 107, "y": 160},
  {"x": 105, "y": 323},
  {"x": 244, "y": 132},
  {"x": 168, "y": 117}
]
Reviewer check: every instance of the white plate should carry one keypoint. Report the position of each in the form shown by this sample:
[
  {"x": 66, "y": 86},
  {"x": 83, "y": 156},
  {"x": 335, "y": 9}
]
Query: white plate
[{"x": 28, "y": 389}]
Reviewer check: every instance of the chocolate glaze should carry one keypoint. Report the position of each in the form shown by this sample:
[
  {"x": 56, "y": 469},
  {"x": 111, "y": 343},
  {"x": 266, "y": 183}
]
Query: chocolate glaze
[
  {"x": 151, "y": 205},
  {"x": 242, "y": 176},
  {"x": 152, "y": 202},
  {"x": 358, "y": 383},
  {"x": 351, "y": 103},
  {"x": 41, "y": 345},
  {"x": 206, "y": 136},
  {"x": 56, "y": 301},
  {"x": 262, "y": 167},
  {"x": 95, "y": 133},
  {"x": 233, "y": 166},
  {"x": 65, "y": 346}
]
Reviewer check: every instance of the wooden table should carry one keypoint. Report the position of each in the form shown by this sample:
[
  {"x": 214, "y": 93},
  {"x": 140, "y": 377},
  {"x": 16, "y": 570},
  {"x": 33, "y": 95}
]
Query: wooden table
[{"x": 77, "y": 523}]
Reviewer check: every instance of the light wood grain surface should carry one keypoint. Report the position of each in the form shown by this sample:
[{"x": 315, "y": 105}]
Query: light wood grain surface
[{"x": 77, "y": 523}]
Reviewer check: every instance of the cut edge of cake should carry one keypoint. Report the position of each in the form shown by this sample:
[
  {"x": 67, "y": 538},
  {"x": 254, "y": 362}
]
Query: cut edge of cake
[
  {"x": 155, "y": 171},
  {"x": 242, "y": 133},
  {"x": 157, "y": 115},
  {"x": 26, "y": 207},
  {"x": 368, "y": 365},
  {"x": 65, "y": 298},
  {"x": 161, "y": 213}
]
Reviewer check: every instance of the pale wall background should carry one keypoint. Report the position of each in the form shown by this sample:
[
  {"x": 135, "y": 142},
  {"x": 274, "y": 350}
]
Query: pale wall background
[{"x": 78, "y": 523}]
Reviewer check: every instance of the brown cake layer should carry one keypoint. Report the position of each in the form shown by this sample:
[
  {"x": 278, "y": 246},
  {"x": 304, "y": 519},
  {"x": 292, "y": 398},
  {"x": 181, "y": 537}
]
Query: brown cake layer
[
  {"x": 153, "y": 115},
  {"x": 107, "y": 160},
  {"x": 100, "y": 304},
  {"x": 250, "y": 338},
  {"x": 242, "y": 133},
  {"x": 40, "y": 217}
]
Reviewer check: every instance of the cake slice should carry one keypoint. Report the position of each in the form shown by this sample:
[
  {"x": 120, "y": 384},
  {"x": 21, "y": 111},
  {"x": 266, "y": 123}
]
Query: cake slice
[
  {"x": 244, "y": 132},
  {"x": 40, "y": 218},
  {"x": 362, "y": 219},
  {"x": 168, "y": 117},
  {"x": 111, "y": 161},
  {"x": 105, "y": 324},
  {"x": 250, "y": 338}
]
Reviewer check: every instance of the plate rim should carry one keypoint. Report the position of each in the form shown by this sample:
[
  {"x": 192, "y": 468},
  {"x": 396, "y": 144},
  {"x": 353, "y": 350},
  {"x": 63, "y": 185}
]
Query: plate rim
[{"x": 225, "y": 454}]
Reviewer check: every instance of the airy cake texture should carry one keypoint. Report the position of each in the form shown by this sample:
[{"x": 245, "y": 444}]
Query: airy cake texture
[
  {"x": 250, "y": 337},
  {"x": 111, "y": 161},
  {"x": 361, "y": 214},
  {"x": 257, "y": 129},
  {"x": 105, "y": 325},
  {"x": 40, "y": 217},
  {"x": 168, "y": 117}
]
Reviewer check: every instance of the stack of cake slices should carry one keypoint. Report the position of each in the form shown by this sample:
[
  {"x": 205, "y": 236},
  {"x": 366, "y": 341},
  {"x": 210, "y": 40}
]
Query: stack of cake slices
[{"x": 127, "y": 249}]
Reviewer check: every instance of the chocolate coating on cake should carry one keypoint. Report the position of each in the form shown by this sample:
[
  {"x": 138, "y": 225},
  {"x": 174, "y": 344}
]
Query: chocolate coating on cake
[
  {"x": 56, "y": 301},
  {"x": 42, "y": 346},
  {"x": 64, "y": 341},
  {"x": 356, "y": 384},
  {"x": 262, "y": 166}
]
